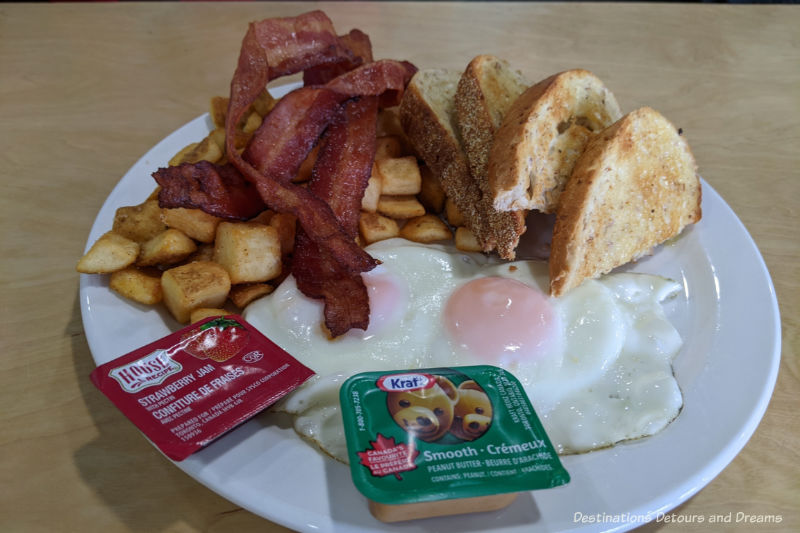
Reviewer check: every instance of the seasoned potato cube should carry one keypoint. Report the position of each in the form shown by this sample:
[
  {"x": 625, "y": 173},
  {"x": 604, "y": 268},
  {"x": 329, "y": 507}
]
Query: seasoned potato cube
[
  {"x": 205, "y": 312},
  {"x": 425, "y": 229},
  {"x": 195, "y": 223},
  {"x": 194, "y": 285},
  {"x": 204, "y": 252},
  {"x": 251, "y": 123},
  {"x": 218, "y": 111},
  {"x": 389, "y": 122},
  {"x": 453, "y": 215},
  {"x": 466, "y": 241},
  {"x": 241, "y": 295},
  {"x": 167, "y": 248},
  {"x": 248, "y": 251},
  {"x": 286, "y": 225},
  {"x": 431, "y": 193},
  {"x": 374, "y": 227},
  {"x": 205, "y": 150},
  {"x": 139, "y": 223},
  {"x": 388, "y": 146},
  {"x": 138, "y": 285},
  {"x": 372, "y": 193},
  {"x": 400, "y": 206},
  {"x": 304, "y": 174},
  {"x": 264, "y": 103},
  {"x": 399, "y": 175},
  {"x": 109, "y": 253},
  {"x": 218, "y": 136}
]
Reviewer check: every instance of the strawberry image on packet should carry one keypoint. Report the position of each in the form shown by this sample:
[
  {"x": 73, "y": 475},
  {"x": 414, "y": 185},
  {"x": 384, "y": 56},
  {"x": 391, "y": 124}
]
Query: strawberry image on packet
[{"x": 192, "y": 386}]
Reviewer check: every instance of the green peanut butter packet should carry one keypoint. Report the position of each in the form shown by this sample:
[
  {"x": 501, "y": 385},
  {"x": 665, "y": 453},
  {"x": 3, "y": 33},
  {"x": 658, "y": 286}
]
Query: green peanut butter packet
[{"x": 444, "y": 433}]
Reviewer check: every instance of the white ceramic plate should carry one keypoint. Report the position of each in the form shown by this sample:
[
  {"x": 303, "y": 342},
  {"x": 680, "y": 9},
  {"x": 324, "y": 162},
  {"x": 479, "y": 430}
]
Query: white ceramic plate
[{"x": 727, "y": 316}]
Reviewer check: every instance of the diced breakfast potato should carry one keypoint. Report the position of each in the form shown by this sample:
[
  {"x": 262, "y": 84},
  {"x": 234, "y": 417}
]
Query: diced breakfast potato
[
  {"x": 205, "y": 150},
  {"x": 388, "y": 146},
  {"x": 399, "y": 175},
  {"x": 251, "y": 123},
  {"x": 286, "y": 226},
  {"x": 452, "y": 214},
  {"x": 167, "y": 248},
  {"x": 431, "y": 193},
  {"x": 401, "y": 207},
  {"x": 139, "y": 223},
  {"x": 218, "y": 110},
  {"x": 205, "y": 312},
  {"x": 425, "y": 229},
  {"x": 264, "y": 103},
  {"x": 204, "y": 252},
  {"x": 389, "y": 122},
  {"x": 243, "y": 294},
  {"x": 141, "y": 286},
  {"x": 194, "y": 285},
  {"x": 195, "y": 223},
  {"x": 369, "y": 202},
  {"x": 373, "y": 227},
  {"x": 248, "y": 251},
  {"x": 109, "y": 253},
  {"x": 466, "y": 241},
  {"x": 304, "y": 174}
]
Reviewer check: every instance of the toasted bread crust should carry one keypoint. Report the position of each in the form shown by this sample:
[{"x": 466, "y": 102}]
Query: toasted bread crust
[
  {"x": 427, "y": 114},
  {"x": 541, "y": 137},
  {"x": 634, "y": 187}
]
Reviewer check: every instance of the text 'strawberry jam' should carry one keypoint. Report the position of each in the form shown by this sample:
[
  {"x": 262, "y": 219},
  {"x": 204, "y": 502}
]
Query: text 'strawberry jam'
[
  {"x": 443, "y": 441},
  {"x": 187, "y": 389}
]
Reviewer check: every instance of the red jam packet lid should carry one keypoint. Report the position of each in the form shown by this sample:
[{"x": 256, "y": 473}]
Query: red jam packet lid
[{"x": 187, "y": 389}]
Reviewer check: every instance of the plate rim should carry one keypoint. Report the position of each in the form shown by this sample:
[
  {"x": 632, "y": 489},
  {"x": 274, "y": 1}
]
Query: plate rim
[{"x": 677, "y": 496}]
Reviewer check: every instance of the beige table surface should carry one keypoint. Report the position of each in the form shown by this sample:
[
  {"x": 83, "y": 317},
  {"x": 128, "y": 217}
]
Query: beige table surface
[{"x": 85, "y": 90}]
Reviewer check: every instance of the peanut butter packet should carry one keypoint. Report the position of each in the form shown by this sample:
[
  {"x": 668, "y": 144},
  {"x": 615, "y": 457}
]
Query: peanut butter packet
[{"x": 442, "y": 441}]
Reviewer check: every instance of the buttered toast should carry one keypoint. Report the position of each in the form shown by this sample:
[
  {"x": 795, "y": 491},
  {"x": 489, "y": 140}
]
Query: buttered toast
[
  {"x": 428, "y": 117},
  {"x": 634, "y": 187},
  {"x": 542, "y": 136}
]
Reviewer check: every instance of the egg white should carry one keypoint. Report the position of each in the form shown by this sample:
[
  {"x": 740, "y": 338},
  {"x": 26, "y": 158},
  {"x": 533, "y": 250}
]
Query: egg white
[{"x": 606, "y": 376}]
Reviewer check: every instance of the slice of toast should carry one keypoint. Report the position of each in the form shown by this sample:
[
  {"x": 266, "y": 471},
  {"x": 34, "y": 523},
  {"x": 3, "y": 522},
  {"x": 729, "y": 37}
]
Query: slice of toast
[
  {"x": 634, "y": 187},
  {"x": 542, "y": 136},
  {"x": 428, "y": 117},
  {"x": 486, "y": 90}
]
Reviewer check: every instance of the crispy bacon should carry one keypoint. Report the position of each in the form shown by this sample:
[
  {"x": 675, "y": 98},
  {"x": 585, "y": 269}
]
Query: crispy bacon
[
  {"x": 294, "y": 44},
  {"x": 340, "y": 177},
  {"x": 386, "y": 78},
  {"x": 344, "y": 88},
  {"x": 286, "y": 136},
  {"x": 358, "y": 45},
  {"x": 217, "y": 190},
  {"x": 315, "y": 216}
]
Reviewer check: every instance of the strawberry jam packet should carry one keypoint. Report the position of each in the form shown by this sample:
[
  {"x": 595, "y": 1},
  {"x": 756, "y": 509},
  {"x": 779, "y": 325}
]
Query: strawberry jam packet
[{"x": 192, "y": 386}]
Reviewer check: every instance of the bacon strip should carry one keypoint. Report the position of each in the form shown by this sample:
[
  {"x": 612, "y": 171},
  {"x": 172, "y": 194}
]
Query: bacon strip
[
  {"x": 286, "y": 136},
  {"x": 340, "y": 177},
  {"x": 315, "y": 216},
  {"x": 358, "y": 45},
  {"x": 218, "y": 190},
  {"x": 386, "y": 78}
]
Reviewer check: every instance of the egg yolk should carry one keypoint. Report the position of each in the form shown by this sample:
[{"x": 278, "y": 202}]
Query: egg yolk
[
  {"x": 500, "y": 320},
  {"x": 388, "y": 299}
]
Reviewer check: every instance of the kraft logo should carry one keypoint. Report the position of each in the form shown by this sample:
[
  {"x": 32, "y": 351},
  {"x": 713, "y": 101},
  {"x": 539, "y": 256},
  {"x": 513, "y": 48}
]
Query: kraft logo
[
  {"x": 148, "y": 371},
  {"x": 406, "y": 382}
]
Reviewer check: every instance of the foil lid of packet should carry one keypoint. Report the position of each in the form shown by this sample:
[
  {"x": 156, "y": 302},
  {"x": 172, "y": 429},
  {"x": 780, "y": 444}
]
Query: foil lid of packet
[
  {"x": 443, "y": 433},
  {"x": 192, "y": 386}
]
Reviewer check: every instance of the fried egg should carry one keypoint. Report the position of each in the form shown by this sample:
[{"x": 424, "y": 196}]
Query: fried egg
[{"x": 596, "y": 363}]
